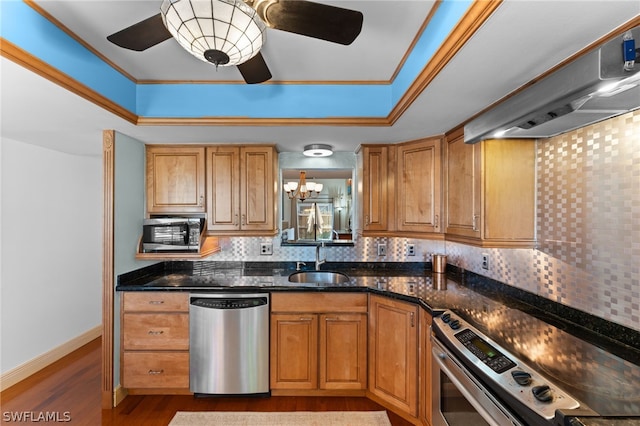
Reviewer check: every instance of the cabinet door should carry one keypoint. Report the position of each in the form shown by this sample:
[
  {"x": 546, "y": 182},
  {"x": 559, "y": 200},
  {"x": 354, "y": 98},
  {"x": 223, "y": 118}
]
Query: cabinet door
[
  {"x": 155, "y": 370},
  {"x": 418, "y": 186},
  {"x": 393, "y": 352},
  {"x": 463, "y": 188},
  {"x": 175, "y": 179},
  {"x": 257, "y": 189},
  {"x": 424, "y": 412},
  {"x": 374, "y": 190},
  {"x": 343, "y": 351},
  {"x": 294, "y": 351},
  {"x": 223, "y": 177},
  {"x": 158, "y": 331}
]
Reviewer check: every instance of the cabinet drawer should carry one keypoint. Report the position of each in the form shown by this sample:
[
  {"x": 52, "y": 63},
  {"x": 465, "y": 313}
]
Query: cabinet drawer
[
  {"x": 155, "y": 370},
  {"x": 155, "y": 331},
  {"x": 155, "y": 302},
  {"x": 319, "y": 302}
]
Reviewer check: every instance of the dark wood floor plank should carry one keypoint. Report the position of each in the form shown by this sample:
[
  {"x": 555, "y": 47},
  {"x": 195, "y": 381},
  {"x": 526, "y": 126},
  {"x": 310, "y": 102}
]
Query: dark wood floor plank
[{"x": 73, "y": 385}]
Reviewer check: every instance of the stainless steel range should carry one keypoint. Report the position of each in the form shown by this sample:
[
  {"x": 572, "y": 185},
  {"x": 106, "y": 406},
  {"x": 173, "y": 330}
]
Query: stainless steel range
[{"x": 476, "y": 381}]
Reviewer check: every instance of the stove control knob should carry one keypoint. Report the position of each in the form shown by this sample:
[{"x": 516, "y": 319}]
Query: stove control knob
[
  {"x": 542, "y": 393},
  {"x": 521, "y": 377},
  {"x": 455, "y": 324},
  {"x": 446, "y": 317}
]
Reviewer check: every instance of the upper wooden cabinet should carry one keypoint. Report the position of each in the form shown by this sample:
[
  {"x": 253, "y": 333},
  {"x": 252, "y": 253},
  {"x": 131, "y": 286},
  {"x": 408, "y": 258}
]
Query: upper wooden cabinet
[
  {"x": 175, "y": 179},
  {"x": 401, "y": 188},
  {"x": 490, "y": 192},
  {"x": 375, "y": 191},
  {"x": 241, "y": 189},
  {"x": 418, "y": 186}
]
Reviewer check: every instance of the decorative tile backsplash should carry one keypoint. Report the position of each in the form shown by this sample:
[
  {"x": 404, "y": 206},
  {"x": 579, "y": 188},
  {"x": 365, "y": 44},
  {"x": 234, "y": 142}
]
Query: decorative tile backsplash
[{"x": 588, "y": 225}]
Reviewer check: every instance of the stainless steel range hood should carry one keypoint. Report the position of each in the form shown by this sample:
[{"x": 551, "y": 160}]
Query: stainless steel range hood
[{"x": 567, "y": 99}]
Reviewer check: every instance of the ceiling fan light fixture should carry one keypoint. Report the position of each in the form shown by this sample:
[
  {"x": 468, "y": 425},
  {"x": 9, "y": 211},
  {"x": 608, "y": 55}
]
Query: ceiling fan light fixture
[
  {"x": 318, "y": 150},
  {"x": 214, "y": 30}
]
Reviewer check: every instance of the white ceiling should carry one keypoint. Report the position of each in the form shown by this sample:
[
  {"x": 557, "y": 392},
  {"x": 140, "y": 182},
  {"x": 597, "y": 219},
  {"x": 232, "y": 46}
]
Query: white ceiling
[{"x": 519, "y": 42}]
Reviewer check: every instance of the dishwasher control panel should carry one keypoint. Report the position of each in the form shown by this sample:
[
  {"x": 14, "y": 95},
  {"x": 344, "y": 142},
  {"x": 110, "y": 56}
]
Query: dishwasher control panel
[{"x": 229, "y": 302}]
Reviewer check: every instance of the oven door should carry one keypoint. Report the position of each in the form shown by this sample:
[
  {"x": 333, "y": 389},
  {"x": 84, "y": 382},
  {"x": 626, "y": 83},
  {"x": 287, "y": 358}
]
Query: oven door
[{"x": 459, "y": 399}]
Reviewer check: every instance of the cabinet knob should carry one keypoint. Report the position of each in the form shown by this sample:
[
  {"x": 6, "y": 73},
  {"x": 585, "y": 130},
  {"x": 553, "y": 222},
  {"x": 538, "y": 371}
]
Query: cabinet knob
[
  {"x": 436, "y": 221},
  {"x": 201, "y": 200}
]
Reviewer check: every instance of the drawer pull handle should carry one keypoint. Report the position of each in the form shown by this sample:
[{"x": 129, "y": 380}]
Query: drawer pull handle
[
  {"x": 155, "y": 333},
  {"x": 155, "y": 372},
  {"x": 156, "y": 302},
  {"x": 305, "y": 319},
  {"x": 331, "y": 319}
]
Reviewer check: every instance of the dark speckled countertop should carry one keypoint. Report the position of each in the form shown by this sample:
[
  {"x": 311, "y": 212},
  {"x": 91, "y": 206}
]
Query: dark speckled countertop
[{"x": 596, "y": 361}]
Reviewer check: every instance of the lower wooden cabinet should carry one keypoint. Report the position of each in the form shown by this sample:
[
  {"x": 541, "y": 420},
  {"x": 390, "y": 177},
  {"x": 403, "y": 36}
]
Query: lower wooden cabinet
[
  {"x": 393, "y": 353},
  {"x": 155, "y": 369},
  {"x": 155, "y": 340},
  {"x": 315, "y": 350}
]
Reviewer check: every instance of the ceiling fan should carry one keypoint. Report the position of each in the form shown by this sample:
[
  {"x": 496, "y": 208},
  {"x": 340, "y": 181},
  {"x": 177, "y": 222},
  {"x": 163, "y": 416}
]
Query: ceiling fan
[{"x": 231, "y": 32}]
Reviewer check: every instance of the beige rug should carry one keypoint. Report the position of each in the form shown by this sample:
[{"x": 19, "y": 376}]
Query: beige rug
[{"x": 297, "y": 418}]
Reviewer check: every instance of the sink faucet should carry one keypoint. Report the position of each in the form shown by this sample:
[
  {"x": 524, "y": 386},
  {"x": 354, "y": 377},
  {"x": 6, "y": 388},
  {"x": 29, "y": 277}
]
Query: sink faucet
[
  {"x": 318, "y": 260},
  {"x": 336, "y": 233}
]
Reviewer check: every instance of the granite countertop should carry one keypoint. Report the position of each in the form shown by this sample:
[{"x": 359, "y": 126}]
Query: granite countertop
[{"x": 604, "y": 354}]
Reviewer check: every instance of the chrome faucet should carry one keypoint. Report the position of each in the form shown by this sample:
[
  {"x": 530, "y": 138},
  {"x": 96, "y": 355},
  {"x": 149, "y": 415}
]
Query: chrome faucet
[
  {"x": 336, "y": 232},
  {"x": 299, "y": 265},
  {"x": 318, "y": 260}
]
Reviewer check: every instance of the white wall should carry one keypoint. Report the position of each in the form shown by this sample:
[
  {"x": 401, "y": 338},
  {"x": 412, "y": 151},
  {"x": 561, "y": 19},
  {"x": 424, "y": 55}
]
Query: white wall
[{"x": 51, "y": 249}]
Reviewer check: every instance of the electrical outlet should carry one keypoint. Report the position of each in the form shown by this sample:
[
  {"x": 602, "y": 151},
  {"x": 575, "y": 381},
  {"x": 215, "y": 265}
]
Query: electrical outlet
[
  {"x": 266, "y": 249},
  {"x": 485, "y": 261},
  {"x": 382, "y": 249},
  {"x": 411, "y": 249}
]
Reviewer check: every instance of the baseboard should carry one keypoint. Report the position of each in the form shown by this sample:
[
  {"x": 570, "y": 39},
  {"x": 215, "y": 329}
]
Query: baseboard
[
  {"x": 118, "y": 395},
  {"x": 36, "y": 364}
]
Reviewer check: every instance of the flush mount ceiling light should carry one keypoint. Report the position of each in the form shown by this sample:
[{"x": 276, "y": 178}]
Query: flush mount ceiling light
[
  {"x": 303, "y": 189},
  {"x": 223, "y": 32},
  {"x": 317, "y": 150}
]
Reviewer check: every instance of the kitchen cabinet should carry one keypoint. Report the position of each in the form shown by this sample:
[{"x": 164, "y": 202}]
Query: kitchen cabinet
[
  {"x": 376, "y": 184},
  {"x": 424, "y": 368},
  {"x": 490, "y": 188},
  {"x": 155, "y": 341},
  {"x": 402, "y": 189},
  {"x": 318, "y": 343},
  {"x": 175, "y": 179},
  {"x": 241, "y": 189},
  {"x": 393, "y": 353},
  {"x": 418, "y": 186}
]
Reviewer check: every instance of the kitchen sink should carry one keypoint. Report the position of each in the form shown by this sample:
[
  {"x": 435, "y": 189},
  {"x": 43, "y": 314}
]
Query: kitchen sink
[{"x": 322, "y": 277}]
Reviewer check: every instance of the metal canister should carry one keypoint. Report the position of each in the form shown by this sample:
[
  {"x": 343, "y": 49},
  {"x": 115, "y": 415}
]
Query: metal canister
[{"x": 439, "y": 263}]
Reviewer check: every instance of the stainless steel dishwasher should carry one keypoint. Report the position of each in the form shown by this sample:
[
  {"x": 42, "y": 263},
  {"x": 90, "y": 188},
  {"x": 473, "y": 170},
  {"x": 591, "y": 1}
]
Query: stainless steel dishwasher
[{"x": 229, "y": 344}]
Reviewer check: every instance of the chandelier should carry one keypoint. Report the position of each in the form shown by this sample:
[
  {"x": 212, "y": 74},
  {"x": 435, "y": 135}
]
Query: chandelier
[
  {"x": 223, "y": 32},
  {"x": 303, "y": 189}
]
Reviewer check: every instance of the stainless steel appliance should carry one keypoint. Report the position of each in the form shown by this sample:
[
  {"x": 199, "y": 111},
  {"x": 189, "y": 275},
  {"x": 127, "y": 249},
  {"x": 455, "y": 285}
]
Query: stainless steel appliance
[
  {"x": 162, "y": 234},
  {"x": 475, "y": 381},
  {"x": 229, "y": 343}
]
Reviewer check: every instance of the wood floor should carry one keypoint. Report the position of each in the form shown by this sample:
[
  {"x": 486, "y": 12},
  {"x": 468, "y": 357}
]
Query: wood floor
[{"x": 69, "y": 391}]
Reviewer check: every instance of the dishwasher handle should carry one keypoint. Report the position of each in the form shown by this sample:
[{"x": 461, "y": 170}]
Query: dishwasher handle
[{"x": 229, "y": 302}]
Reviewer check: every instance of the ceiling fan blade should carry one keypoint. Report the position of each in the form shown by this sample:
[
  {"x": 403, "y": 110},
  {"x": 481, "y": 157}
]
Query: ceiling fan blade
[
  {"x": 315, "y": 20},
  {"x": 255, "y": 70},
  {"x": 143, "y": 35}
]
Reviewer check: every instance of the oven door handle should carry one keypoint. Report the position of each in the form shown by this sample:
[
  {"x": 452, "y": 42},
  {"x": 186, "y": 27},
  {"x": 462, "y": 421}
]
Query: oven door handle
[{"x": 440, "y": 356}]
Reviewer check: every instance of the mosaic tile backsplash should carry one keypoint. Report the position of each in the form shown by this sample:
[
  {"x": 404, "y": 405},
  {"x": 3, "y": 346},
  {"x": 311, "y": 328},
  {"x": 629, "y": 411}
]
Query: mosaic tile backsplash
[{"x": 588, "y": 227}]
